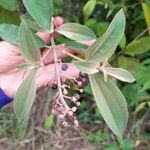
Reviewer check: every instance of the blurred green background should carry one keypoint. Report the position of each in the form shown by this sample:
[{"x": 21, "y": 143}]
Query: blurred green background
[{"x": 133, "y": 53}]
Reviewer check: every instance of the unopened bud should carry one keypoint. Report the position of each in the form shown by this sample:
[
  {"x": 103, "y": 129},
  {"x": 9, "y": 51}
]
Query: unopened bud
[
  {"x": 74, "y": 109},
  {"x": 79, "y": 83},
  {"x": 58, "y": 21},
  {"x": 74, "y": 99},
  {"x": 70, "y": 113},
  {"x": 76, "y": 123},
  {"x": 78, "y": 103},
  {"x": 61, "y": 116},
  {"x": 65, "y": 124},
  {"x": 65, "y": 92},
  {"x": 81, "y": 90}
]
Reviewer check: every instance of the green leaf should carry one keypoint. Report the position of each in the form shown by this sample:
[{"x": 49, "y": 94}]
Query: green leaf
[
  {"x": 31, "y": 23},
  {"x": 76, "y": 32},
  {"x": 123, "y": 42},
  {"x": 49, "y": 122},
  {"x": 9, "y": 4},
  {"x": 88, "y": 8},
  {"x": 105, "y": 46},
  {"x": 87, "y": 67},
  {"x": 9, "y": 33},
  {"x": 121, "y": 74},
  {"x": 27, "y": 44},
  {"x": 25, "y": 96},
  {"x": 138, "y": 47},
  {"x": 26, "y": 67},
  {"x": 10, "y": 17},
  {"x": 110, "y": 102},
  {"x": 122, "y": 61},
  {"x": 146, "y": 9},
  {"x": 41, "y": 11},
  {"x": 72, "y": 44}
]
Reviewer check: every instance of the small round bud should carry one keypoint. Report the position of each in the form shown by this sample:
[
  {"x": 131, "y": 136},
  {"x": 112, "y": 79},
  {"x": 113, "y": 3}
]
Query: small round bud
[
  {"x": 78, "y": 103},
  {"x": 65, "y": 92},
  {"x": 76, "y": 123},
  {"x": 84, "y": 80},
  {"x": 79, "y": 83},
  {"x": 64, "y": 67},
  {"x": 81, "y": 90},
  {"x": 53, "y": 111},
  {"x": 74, "y": 99},
  {"x": 58, "y": 21},
  {"x": 65, "y": 124},
  {"x": 74, "y": 109},
  {"x": 77, "y": 96},
  {"x": 70, "y": 113},
  {"x": 61, "y": 116}
]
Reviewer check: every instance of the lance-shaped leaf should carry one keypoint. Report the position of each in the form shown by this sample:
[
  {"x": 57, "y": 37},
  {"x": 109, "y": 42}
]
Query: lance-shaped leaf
[
  {"x": 146, "y": 9},
  {"x": 87, "y": 67},
  {"x": 41, "y": 11},
  {"x": 138, "y": 47},
  {"x": 9, "y": 33},
  {"x": 121, "y": 74},
  {"x": 76, "y": 32},
  {"x": 27, "y": 44},
  {"x": 106, "y": 45},
  {"x": 25, "y": 96},
  {"x": 110, "y": 102}
]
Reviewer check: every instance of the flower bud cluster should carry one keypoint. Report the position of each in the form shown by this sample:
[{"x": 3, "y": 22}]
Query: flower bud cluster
[{"x": 65, "y": 106}]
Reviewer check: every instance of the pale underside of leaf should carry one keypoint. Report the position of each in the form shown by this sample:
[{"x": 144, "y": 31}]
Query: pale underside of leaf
[
  {"x": 120, "y": 74},
  {"x": 110, "y": 102},
  {"x": 76, "y": 32},
  {"x": 87, "y": 67},
  {"x": 27, "y": 44},
  {"x": 106, "y": 45},
  {"x": 25, "y": 96}
]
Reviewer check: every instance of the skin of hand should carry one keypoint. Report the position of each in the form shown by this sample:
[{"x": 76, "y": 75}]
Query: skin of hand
[{"x": 11, "y": 77}]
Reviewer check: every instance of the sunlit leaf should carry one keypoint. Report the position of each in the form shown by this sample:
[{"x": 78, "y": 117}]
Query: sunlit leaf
[
  {"x": 49, "y": 122},
  {"x": 137, "y": 47},
  {"x": 121, "y": 74},
  {"x": 76, "y": 32},
  {"x": 41, "y": 11},
  {"x": 146, "y": 9},
  {"x": 122, "y": 61},
  {"x": 25, "y": 96},
  {"x": 88, "y": 8},
  {"x": 110, "y": 102},
  {"x": 105, "y": 46},
  {"x": 27, "y": 44},
  {"x": 87, "y": 67}
]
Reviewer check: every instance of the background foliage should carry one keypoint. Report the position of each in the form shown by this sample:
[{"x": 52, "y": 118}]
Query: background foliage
[{"x": 133, "y": 54}]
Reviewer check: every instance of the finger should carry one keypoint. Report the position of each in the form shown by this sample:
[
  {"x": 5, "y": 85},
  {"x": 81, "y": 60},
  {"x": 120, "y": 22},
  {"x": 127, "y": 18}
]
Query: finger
[
  {"x": 47, "y": 75},
  {"x": 9, "y": 57},
  {"x": 10, "y": 83},
  {"x": 49, "y": 58}
]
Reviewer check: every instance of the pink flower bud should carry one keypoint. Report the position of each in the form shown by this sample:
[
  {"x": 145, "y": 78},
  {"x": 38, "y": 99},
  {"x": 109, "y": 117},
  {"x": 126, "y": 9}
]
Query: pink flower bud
[
  {"x": 58, "y": 21},
  {"x": 70, "y": 113},
  {"x": 65, "y": 124},
  {"x": 74, "y": 109},
  {"x": 78, "y": 103}
]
